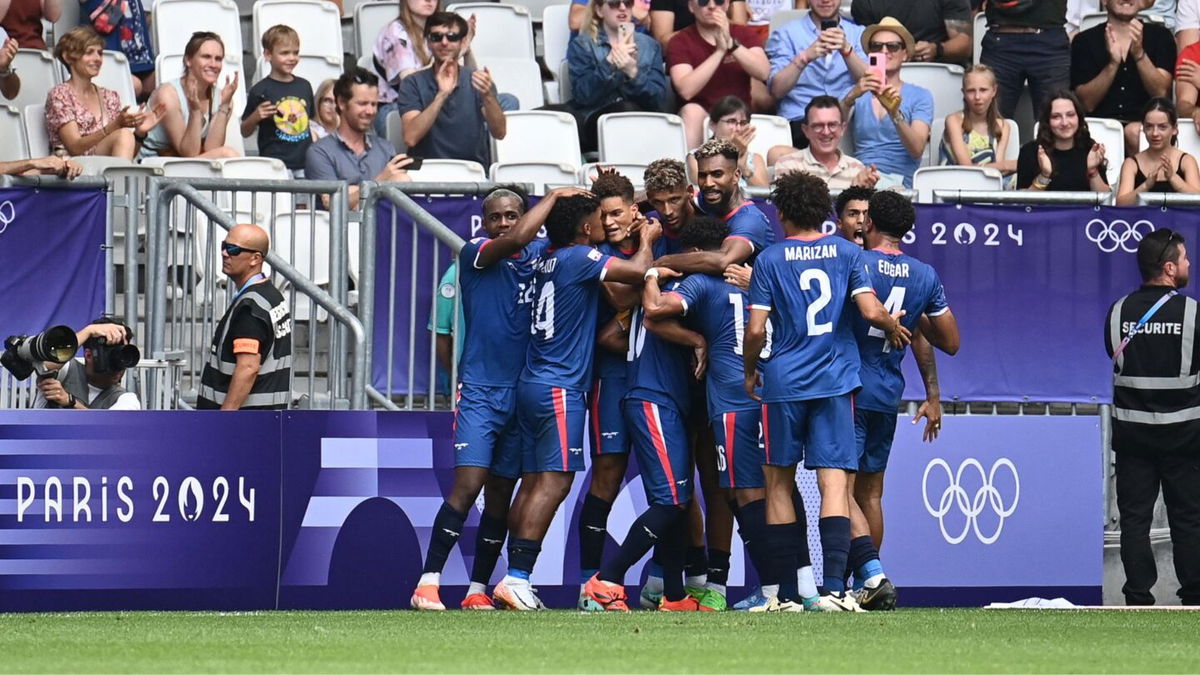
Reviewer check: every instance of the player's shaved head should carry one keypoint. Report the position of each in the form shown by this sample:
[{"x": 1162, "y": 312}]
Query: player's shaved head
[
  {"x": 891, "y": 213},
  {"x": 802, "y": 200},
  {"x": 704, "y": 233},
  {"x": 250, "y": 236},
  {"x": 567, "y": 216}
]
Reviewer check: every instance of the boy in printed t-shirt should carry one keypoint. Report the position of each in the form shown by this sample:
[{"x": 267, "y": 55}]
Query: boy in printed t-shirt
[{"x": 280, "y": 104}]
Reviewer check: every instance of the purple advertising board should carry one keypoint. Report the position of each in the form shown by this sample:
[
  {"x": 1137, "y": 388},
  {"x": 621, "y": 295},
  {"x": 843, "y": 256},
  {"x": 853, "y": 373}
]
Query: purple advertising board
[{"x": 331, "y": 510}]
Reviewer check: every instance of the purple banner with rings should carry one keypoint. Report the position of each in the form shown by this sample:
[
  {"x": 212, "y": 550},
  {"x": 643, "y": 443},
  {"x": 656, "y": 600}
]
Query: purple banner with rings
[{"x": 51, "y": 258}]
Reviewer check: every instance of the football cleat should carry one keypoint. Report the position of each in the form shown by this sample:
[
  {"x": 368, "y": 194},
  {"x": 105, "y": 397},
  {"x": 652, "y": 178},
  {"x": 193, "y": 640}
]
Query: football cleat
[
  {"x": 710, "y": 600},
  {"x": 426, "y": 598},
  {"x": 751, "y": 601},
  {"x": 606, "y": 595},
  {"x": 775, "y": 605},
  {"x": 687, "y": 604},
  {"x": 882, "y": 598},
  {"x": 649, "y": 599},
  {"x": 838, "y": 602},
  {"x": 515, "y": 594},
  {"x": 477, "y": 601}
]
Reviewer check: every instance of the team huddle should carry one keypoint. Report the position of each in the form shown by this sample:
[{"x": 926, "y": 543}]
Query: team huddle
[{"x": 619, "y": 317}]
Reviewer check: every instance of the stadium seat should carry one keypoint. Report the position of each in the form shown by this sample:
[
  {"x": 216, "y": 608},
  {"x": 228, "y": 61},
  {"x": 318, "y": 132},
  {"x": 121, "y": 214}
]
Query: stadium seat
[
  {"x": 369, "y": 19},
  {"x": 537, "y": 8},
  {"x": 1110, "y": 134},
  {"x": 257, "y": 207},
  {"x": 564, "y": 81},
  {"x": 233, "y": 133},
  {"x": 501, "y": 30},
  {"x": 395, "y": 130},
  {"x": 318, "y": 23},
  {"x": 1188, "y": 140},
  {"x": 640, "y": 138},
  {"x": 930, "y": 178},
  {"x": 977, "y": 37},
  {"x": 68, "y": 19},
  {"x": 556, "y": 37},
  {"x": 785, "y": 16},
  {"x": 521, "y": 78},
  {"x": 933, "y": 152},
  {"x": 96, "y": 165},
  {"x": 636, "y": 173},
  {"x": 943, "y": 80},
  {"x": 1013, "y": 151},
  {"x": 12, "y": 130},
  {"x": 175, "y": 21},
  {"x": 543, "y": 175},
  {"x": 37, "y": 140},
  {"x": 449, "y": 171},
  {"x": 538, "y": 136},
  {"x": 115, "y": 75},
  {"x": 315, "y": 69},
  {"x": 769, "y": 131},
  {"x": 301, "y": 238},
  {"x": 39, "y": 74}
]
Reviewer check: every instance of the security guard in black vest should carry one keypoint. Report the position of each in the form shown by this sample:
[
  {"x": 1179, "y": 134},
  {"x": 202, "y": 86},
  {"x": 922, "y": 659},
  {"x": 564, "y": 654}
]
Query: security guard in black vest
[
  {"x": 250, "y": 359},
  {"x": 1153, "y": 338}
]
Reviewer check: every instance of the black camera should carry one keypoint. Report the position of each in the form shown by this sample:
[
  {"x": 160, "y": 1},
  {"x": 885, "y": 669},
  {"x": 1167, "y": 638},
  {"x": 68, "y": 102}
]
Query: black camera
[
  {"x": 112, "y": 358},
  {"x": 24, "y": 354}
]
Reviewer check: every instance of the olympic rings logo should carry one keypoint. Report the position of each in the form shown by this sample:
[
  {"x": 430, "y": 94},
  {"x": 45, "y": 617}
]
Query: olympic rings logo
[
  {"x": 8, "y": 213},
  {"x": 955, "y": 497},
  {"x": 1118, "y": 234}
]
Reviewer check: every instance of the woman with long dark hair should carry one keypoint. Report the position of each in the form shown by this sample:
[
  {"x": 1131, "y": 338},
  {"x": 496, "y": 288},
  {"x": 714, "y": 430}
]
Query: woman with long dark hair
[
  {"x": 1161, "y": 167},
  {"x": 1063, "y": 157}
]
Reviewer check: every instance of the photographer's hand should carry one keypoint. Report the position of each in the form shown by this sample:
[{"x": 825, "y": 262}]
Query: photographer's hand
[
  {"x": 52, "y": 390},
  {"x": 113, "y": 333}
]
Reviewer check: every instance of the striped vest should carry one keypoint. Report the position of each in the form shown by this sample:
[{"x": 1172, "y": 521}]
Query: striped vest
[{"x": 272, "y": 388}]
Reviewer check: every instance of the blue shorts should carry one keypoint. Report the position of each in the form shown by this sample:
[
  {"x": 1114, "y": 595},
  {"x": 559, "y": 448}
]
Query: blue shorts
[
  {"x": 819, "y": 432},
  {"x": 659, "y": 436},
  {"x": 873, "y": 431},
  {"x": 485, "y": 429},
  {"x": 607, "y": 421},
  {"x": 552, "y": 423},
  {"x": 739, "y": 448}
]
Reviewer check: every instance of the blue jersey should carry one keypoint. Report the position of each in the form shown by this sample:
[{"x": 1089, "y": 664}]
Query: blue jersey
[
  {"x": 805, "y": 285},
  {"x": 566, "y": 297},
  {"x": 669, "y": 242},
  {"x": 659, "y": 370},
  {"x": 611, "y": 365},
  {"x": 902, "y": 282},
  {"x": 496, "y": 303},
  {"x": 719, "y": 311},
  {"x": 749, "y": 223}
]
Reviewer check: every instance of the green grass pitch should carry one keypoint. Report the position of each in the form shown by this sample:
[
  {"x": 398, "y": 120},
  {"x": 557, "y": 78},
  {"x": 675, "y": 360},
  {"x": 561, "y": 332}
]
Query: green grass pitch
[{"x": 561, "y": 641}]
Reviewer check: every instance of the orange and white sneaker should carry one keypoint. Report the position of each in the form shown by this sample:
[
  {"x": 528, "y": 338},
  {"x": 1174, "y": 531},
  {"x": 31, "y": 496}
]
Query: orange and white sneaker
[
  {"x": 515, "y": 594},
  {"x": 687, "y": 604},
  {"x": 478, "y": 601},
  {"x": 426, "y": 598},
  {"x": 611, "y": 597}
]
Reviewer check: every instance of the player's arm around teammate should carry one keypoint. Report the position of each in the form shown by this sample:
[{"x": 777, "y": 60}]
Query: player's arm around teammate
[{"x": 509, "y": 241}]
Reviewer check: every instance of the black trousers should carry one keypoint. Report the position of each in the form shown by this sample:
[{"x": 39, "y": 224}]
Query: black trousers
[{"x": 1139, "y": 477}]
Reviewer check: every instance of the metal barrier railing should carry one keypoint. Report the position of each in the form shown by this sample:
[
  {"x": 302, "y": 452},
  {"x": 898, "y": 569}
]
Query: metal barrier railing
[
  {"x": 153, "y": 380},
  {"x": 1022, "y": 197}
]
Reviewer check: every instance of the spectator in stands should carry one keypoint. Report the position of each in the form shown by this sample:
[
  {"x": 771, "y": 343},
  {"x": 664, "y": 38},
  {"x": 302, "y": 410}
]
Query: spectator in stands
[
  {"x": 891, "y": 126},
  {"x": 712, "y": 59},
  {"x": 977, "y": 135},
  {"x": 448, "y": 109},
  {"x": 400, "y": 50},
  {"x": 1187, "y": 76},
  {"x": 42, "y": 166},
  {"x": 612, "y": 69},
  {"x": 326, "y": 119},
  {"x": 79, "y": 384},
  {"x": 351, "y": 152},
  {"x": 823, "y": 158},
  {"x": 942, "y": 28},
  {"x": 10, "y": 82},
  {"x": 1063, "y": 157},
  {"x": 196, "y": 114},
  {"x": 1118, "y": 66},
  {"x": 1187, "y": 24},
  {"x": 1027, "y": 41},
  {"x": 819, "y": 54},
  {"x": 669, "y": 17},
  {"x": 1161, "y": 167},
  {"x": 729, "y": 120},
  {"x": 580, "y": 11},
  {"x": 85, "y": 119},
  {"x": 280, "y": 105},
  {"x": 23, "y": 20},
  {"x": 123, "y": 25}
]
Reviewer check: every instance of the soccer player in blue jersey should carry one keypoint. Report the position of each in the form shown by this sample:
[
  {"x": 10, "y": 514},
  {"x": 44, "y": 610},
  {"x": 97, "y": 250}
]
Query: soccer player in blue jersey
[
  {"x": 850, "y": 207},
  {"x": 904, "y": 283},
  {"x": 802, "y": 285},
  {"x": 670, "y": 196},
  {"x": 496, "y": 277},
  {"x": 558, "y": 372}
]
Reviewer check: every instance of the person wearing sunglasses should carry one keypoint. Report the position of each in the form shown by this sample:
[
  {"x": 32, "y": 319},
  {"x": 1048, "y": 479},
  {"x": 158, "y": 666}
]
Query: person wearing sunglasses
[
  {"x": 449, "y": 110},
  {"x": 891, "y": 126},
  {"x": 250, "y": 364},
  {"x": 668, "y": 17},
  {"x": 712, "y": 59},
  {"x": 1151, "y": 335}
]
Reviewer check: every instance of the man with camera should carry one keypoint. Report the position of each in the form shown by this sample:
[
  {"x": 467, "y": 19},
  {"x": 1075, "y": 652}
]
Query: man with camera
[
  {"x": 250, "y": 361},
  {"x": 95, "y": 382}
]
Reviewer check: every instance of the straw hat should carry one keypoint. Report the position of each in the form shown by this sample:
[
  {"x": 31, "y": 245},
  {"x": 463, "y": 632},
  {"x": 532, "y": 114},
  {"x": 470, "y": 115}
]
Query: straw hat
[{"x": 890, "y": 24}]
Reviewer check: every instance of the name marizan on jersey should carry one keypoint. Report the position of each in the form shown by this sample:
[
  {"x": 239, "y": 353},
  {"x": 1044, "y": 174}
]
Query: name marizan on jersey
[{"x": 802, "y": 253}]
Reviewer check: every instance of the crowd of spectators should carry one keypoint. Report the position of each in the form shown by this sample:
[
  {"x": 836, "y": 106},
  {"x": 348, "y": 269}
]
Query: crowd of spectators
[{"x": 715, "y": 63}]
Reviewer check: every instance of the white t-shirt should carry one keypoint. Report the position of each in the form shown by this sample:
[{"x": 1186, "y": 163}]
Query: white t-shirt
[
  {"x": 761, "y": 11},
  {"x": 1187, "y": 15},
  {"x": 126, "y": 401}
]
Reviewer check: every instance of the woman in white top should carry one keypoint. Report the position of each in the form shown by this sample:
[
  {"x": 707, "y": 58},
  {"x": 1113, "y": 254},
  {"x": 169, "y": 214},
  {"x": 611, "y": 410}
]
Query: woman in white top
[{"x": 195, "y": 116}]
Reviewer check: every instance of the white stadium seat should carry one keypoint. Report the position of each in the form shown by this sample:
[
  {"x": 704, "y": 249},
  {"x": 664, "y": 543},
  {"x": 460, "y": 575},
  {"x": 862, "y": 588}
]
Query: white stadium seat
[
  {"x": 538, "y": 136},
  {"x": 537, "y": 8},
  {"x": 636, "y": 173},
  {"x": 39, "y": 73},
  {"x": 318, "y": 22},
  {"x": 315, "y": 69},
  {"x": 449, "y": 171},
  {"x": 1110, "y": 134},
  {"x": 521, "y": 78},
  {"x": 657, "y": 135},
  {"x": 37, "y": 139},
  {"x": 12, "y": 130},
  {"x": 977, "y": 36},
  {"x": 96, "y": 165},
  {"x": 782, "y": 17},
  {"x": 942, "y": 80},
  {"x": 930, "y": 178},
  {"x": 933, "y": 155},
  {"x": 369, "y": 19},
  {"x": 171, "y": 68},
  {"x": 175, "y": 20},
  {"x": 302, "y": 239},
  {"x": 501, "y": 30},
  {"x": 769, "y": 131},
  {"x": 543, "y": 175},
  {"x": 556, "y": 37},
  {"x": 1188, "y": 140},
  {"x": 66, "y": 21},
  {"x": 257, "y": 207}
]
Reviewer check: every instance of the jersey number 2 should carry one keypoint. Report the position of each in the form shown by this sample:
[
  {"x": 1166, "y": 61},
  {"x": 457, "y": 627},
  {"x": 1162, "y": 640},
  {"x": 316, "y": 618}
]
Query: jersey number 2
[{"x": 824, "y": 295}]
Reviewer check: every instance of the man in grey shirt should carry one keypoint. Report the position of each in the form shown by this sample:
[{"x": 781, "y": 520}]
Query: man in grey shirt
[
  {"x": 352, "y": 152},
  {"x": 449, "y": 109}
]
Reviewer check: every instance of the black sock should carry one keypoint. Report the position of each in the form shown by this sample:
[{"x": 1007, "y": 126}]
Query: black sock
[
  {"x": 522, "y": 556},
  {"x": 696, "y": 564},
  {"x": 593, "y": 524},
  {"x": 489, "y": 541},
  {"x": 650, "y": 529},
  {"x": 752, "y": 518},
  {"x": 672, "y": 554},
  {"x": 835, "y": 547},
  {"x": 781, "y": 547},
  {"x": 718, "y": 567},
  {"x": 803, "y": 555},
  {"x": 447, "y": 528}
]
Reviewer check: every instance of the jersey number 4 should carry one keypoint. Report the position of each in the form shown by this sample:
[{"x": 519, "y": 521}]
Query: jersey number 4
[
  {"x": 893, "y": 304},
  {"x": 543, "y": 315}
]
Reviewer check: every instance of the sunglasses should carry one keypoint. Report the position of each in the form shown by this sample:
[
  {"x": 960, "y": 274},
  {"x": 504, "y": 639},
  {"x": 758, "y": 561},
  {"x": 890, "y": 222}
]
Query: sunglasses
[
  {"x": 438, "y": 37},
  {"x": 234, "y": 250},
  {"x": 617, "y": 4},
  {"x": 704, "y": 3},
  {"x": 892, "y": 47},
  {"x": 1162, "y": 255}
]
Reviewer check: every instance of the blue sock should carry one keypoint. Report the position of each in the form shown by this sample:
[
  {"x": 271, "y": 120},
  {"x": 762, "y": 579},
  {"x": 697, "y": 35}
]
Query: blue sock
[
  {"x": 863, "y": 559},
  {"x": 835, "y": 547},
  {"x": 522, "y": 556},
  {"x": 781, "y": 546}
]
